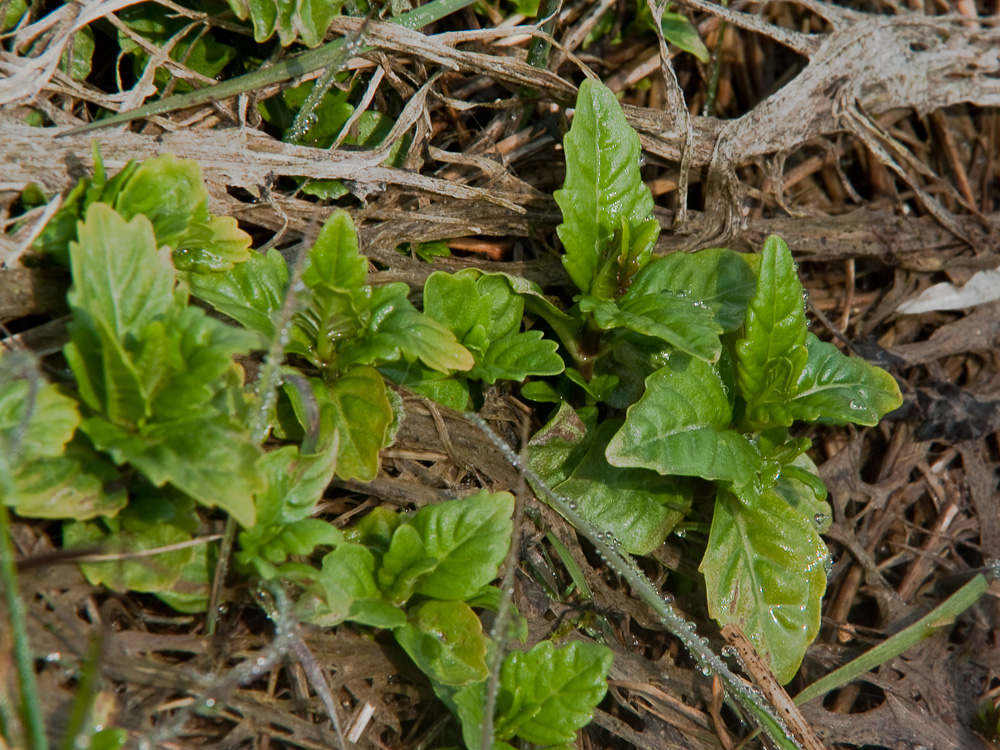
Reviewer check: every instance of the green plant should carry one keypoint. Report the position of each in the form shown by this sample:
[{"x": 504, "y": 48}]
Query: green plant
[{"x": 711, "y": 356}]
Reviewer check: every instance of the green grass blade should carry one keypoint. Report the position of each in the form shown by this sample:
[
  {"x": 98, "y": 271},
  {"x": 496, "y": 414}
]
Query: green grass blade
[
  {"x": 331, "y": 54},
  {"x": 940, "y": 616}
]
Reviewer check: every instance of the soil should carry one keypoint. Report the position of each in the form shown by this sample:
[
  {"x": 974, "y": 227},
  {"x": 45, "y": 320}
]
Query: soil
[{"x": 868, "y": 137}]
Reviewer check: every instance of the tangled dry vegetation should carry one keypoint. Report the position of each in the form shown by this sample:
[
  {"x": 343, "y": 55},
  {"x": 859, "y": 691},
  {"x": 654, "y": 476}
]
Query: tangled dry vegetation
[{"x": 867, "y": 136}]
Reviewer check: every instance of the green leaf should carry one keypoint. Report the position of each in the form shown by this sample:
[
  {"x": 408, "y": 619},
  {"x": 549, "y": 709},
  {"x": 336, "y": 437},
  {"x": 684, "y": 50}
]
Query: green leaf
[
  {"x": 800, "y": 487},
  {"x": 199, "y": 51},
  {"x": 307, "y": 20},
  {"x": 171, "y": 193},
  {"x": 456, "y": 302},
  {"x": 360, "y": 411},
  {"x": 148, "y": 523},
  {"x": 468, "y": 540},
  {"x": 404, "y": 562},
  {"x": 603, "y": 190},
  {"x": 295, "y": 483},
  {"x": 485, "y": 315},
  {"x": 350, "y": 591},
  {"x": 445, "y": 639},
  {"x": 764, "y": 571},
  {"x": 836, "y": 389},
  {"x": 210, "y": 459},
  {"x": 77, "y": 57},
  {"x": 78, "y": 484},
  {"x": 681, "y": 425},
  {"x": 685, "y": 324},
  {"x": 121, "y": 281},
  {"x": 250, "y": 293},
  {"x": 547, "y": 694},
  {"x": 397, "y": 329},
  {"x": 719, "y": 278},
  {"x": 772, "y": 353},
  {"x": 638, "y": 507},
  {"x": 680, "y": 32},
  {"x": 335, "y": 275},
  {"x": 35, "y": 424},
  {"x": 517, "y": 356},
  {"x": 435, "y": 385}
]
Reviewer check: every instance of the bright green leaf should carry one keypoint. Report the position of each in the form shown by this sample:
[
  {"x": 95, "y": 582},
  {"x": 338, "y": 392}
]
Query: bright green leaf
[
  {"x": 772, "y": 352},
  {"x": 250, "y": 293},
  {"x": 121, "y": 281},
  {"x": 547, "y": 694},
  {"x": 603, "y": 188},
  {"x": 681, "y": 425},
  {"x": 468, "y": 539},
  {"x": 836, "y": 389},
  {"x": 517, "y": 356},
  {"x": 445, "y": 639},
  {"x": 764, "y": 571},
  {"x": 403, "y": 564}
]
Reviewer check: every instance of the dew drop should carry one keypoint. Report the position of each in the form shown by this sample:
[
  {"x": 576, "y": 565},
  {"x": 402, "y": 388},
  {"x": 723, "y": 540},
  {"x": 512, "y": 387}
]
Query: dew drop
[
  {"x": 642, "y": 159},
  {"x": 690, "y": 627},
  {"x": 209, "y": 702},
  {"x": 994, "y": 568},
  {"x": 820, "y": 519},
  {"x": 856, "y": 405},
  {"x": 729, "y": 651},
  {"x": 53, "y": 656},
  {"x": 669, "y": 598},
  {"x": 572, "y": 505}
]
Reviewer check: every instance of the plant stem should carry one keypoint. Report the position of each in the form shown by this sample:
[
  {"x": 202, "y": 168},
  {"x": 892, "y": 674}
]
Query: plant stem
[{"x": 31, "y": 706}]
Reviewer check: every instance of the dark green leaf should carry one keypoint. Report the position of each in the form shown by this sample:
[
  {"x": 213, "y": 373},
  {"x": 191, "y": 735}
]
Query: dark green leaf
[
  {"x": 764, "y": 571},
  {"x": 437, "y": 386},
  {"x": 719, "y": 278},
  {"x": 681, "y": 425},
  {"x": 638, "y": 507},
  {"x": 836, "y": 389},
  {"x": 686, "y": 324},
  {"x": 603, "y": 189},
  {"x": 361, "y": 414}
]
